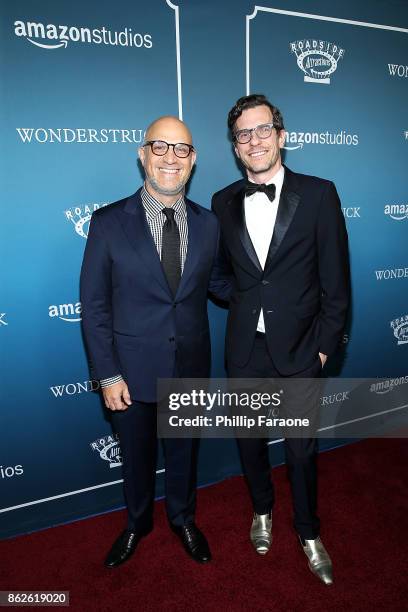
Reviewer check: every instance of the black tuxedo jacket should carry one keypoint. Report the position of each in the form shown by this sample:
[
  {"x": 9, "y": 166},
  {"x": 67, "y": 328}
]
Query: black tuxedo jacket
[{"x": 304, "y": 287}]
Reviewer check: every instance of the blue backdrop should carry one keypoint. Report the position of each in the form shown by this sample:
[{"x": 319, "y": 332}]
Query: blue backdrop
[{"x": 80, "y": 83}]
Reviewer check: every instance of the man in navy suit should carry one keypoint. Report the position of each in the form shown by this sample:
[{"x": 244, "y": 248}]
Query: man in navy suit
[
  {"x": 144, "y": 281},
  {"x": 285, "y": 241}
]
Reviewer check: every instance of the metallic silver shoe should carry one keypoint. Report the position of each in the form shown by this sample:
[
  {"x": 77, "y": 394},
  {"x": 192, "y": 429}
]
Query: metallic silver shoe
[
  {"x": 261, "y": 532},
  {"x": 319, "y": 560}
]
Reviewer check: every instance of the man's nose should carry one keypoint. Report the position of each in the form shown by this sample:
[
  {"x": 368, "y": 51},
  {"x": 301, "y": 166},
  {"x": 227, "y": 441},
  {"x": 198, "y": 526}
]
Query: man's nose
[
  {"x": 170, "y": 156},
  {"x": 254, "y": 137}
]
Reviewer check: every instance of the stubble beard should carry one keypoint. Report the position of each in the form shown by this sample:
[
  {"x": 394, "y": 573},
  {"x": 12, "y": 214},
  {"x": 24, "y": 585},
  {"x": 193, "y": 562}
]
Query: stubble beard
[
  {"x": 166, "y": 191},
  {"x": 262, "y": 169}
]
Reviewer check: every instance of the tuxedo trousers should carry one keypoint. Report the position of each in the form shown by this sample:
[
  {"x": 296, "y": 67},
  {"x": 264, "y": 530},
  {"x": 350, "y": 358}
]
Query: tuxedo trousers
[
  {"x": 137, "y": 430},
  {"x": 300, "y": 452}
]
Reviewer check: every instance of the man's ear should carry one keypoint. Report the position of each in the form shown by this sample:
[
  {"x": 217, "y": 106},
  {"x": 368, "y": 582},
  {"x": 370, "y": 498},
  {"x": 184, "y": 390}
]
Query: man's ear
[
  {"x": 141, "y": 154},
  {"x": 281, "y": 139},
  {"x": 237, "y": 152}
]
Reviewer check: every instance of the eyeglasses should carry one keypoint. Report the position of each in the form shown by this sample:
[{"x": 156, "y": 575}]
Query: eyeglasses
[
  {"x": 160, "y": 147},
  {"x": 262, "y": 131}
]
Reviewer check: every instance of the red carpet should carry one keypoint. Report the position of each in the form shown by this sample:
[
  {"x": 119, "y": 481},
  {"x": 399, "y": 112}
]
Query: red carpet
[{"x": 363, "y": 508}]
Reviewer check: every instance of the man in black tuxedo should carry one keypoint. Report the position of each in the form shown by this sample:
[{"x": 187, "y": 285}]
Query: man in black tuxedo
[
  {"x": 284, "y": 239},
  {"x": 145, "y": 275}
]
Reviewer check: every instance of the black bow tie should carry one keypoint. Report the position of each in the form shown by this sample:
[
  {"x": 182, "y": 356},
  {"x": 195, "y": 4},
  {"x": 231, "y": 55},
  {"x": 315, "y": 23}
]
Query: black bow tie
[{"x": 269, "y": 190}]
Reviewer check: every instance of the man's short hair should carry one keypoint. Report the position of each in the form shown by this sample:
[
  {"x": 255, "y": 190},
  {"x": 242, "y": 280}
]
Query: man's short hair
[{"x": 251, "y": 102}]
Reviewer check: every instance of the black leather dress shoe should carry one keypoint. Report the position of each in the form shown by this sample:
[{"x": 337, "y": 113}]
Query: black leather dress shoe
[
  {"x": 194, "y": 542},
  {"x": 123, "y": 548}
]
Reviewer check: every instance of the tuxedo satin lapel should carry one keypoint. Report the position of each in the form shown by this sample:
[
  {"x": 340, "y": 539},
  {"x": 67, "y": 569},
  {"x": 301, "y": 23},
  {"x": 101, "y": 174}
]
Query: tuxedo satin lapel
[
  {"x": 195, "y": 239},
  {"x": 135, "y": 226},
  {"x": 288, "y": 204},
  {"x": 236, "y": 209}
]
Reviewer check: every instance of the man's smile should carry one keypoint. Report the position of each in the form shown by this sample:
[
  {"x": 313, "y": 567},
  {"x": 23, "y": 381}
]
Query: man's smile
[
  {"x": 258, "y": 153},
  {"x": 170, "y": 170}
]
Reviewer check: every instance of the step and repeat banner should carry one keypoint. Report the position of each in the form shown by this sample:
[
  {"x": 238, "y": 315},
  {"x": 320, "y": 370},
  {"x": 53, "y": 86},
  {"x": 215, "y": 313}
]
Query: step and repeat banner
[{"x": 80, "y": 82}]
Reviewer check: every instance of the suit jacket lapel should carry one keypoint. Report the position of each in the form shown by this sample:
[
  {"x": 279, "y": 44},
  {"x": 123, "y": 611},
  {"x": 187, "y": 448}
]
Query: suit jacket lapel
[
  {"x": 236, "y": 209},
  {"x": 135, "y": 226},
  {"x": 288, "y": 204}
]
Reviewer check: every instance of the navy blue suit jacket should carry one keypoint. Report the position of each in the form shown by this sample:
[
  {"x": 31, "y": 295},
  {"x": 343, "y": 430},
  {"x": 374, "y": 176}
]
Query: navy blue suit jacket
[{"x": 131, "y": 322}]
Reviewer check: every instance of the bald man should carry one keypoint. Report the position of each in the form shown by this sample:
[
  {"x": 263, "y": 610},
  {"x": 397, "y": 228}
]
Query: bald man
[{"x": 147, "y": 267}]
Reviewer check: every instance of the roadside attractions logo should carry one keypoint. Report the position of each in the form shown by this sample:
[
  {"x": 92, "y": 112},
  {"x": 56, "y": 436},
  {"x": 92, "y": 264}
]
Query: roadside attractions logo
[
  {"x": 66, "y": 312},
  {"x": 109, "y": 449},
  {"x": 51, "y": 36},
  {"x": 400, "y": 329},
  {"x": 398, "y": 212},
  {"x": 317, "y": 59},
  {"x": 80, "y": 217},
  {"x": 296, "y": 140}
]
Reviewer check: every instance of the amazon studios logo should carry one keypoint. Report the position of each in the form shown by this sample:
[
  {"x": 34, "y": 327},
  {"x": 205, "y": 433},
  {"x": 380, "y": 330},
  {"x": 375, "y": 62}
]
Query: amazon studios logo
[
  {"x": 108, "y": 449},
  {"x": 66, "y": 312},
  {"x": 80, "y": 217},
  {"x": 50, "y": 36},
  {"x": 400, "y": 329},
  {"x": 317, "y": 59},
  {"x": 385, "y": 386},
  {"x": 10, "y": 471},
  {"x": 398, "y": 212},
  {"x": 296, "y": 140}
]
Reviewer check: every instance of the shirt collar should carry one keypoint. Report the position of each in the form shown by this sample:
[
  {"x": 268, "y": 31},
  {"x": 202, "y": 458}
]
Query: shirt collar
[
  {"x": 278, "y": 178},
  {"x": 153, "y": 207}
]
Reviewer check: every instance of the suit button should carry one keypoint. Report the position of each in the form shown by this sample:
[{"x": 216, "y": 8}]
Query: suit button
[
  {"x": 265, "y": 282},
  {"x": 171, "y": 339},
  {"x": 174, "y": 305},
  {"x": 254, "y": 311}
]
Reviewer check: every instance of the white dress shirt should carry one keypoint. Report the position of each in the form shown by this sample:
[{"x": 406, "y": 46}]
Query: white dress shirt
[{"x": 260, "y": 217}]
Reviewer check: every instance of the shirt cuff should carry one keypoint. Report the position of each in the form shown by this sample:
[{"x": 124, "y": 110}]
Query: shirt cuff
[{"x": 108, "y": 382}]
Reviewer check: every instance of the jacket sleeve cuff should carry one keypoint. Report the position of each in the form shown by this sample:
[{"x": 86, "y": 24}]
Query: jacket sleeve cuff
[{"x": 108, "y": 382}]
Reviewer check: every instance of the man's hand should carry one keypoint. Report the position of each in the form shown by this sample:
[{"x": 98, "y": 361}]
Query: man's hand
[
  {"x": 117, "y": 396},
  {"x": 323, "y": 358}
]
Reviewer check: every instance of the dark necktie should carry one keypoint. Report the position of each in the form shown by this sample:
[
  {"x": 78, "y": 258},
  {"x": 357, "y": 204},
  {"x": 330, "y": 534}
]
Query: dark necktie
[
  {"x": 171, "y": 250},
  {"x": 269, "y": 190}
]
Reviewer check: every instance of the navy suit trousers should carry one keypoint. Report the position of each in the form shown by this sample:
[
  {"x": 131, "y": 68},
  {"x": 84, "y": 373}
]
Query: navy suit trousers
[{"x": 136, "y": 428}]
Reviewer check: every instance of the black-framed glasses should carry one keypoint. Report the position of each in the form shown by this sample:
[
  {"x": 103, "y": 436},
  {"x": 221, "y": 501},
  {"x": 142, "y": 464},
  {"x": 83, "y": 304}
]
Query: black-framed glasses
[
  {"x": 262, "y": 131},
  {"x": 160, "y": 147}
]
